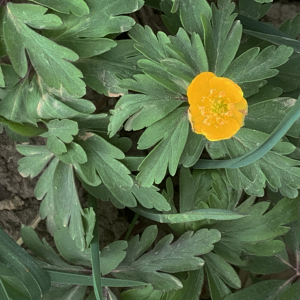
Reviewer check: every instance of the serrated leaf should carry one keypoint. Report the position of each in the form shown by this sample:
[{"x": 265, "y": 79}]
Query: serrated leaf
[
  {"x": 163, "y": 256},
  {"x": 103, "y": 159},
  {"x": 171, "y": 133},
  {"x": 253, "y": 66},
  {"x": 273, "y": 168},
  {"x": 77, "y": 7},
  {"x": 104, "y": 72},
  {"x": 222, "y": 38},
  {"x": 52, "y": 63}
]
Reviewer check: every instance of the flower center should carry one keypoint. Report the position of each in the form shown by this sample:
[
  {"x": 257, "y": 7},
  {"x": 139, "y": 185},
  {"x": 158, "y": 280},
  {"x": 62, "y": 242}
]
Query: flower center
[{"x": 218, "y": 108}]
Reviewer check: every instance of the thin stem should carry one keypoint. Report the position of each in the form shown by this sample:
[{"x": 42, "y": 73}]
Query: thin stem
[
  {"x": 287, "y": 263},
  {"x": 136, "y": 216}
]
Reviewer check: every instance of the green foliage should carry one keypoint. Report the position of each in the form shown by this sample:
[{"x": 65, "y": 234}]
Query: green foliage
[{"x": 58, "y": 56}]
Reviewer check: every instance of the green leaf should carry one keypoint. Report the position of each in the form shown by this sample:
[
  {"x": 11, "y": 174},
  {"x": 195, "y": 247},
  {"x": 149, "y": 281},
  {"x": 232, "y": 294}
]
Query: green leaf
[
  {"x": 192, "y": 287},
  {"x": 104, "y": 18},
  {"x": 14, "y": 287},
  {"x": 13, "y": 107},
  {"x": 2, "y": 83},
  {"x": 76, "y": 292},
  {"x": 193, "y": 149},
  {"x": 245, "y": 235},
  {"x": 87, "y": 280},
  {"x": 60, "y": 132},
  {"x": 220, "y": 268},
  {"x": 165, "y": 257},
  {"x": 141, "y": 111},
  {"x": 112, "y": 255},
  {"x": 103, "y": 161},
  {"x": 3, "y": 292},
  {"x": 104, "y": 72},
  {"x": 60, "y": 203},
  {"x": 276, "y": 109},
  {"x": 23, "y": 266},
  {"x": 146, "y": 293},
  {"x": 279, "y": 171},
  {"x": 35, "y": 161},
  {"x": 288, "y": 77},
  {"x": 171, "y": 133},
  {"x": 267, "y": 264},
  {"x": 151, "y": 46},
  {"x": 190, "y": 13},
  {"x": 191, "y": 216},
  {"x": 292, "y": 293},
  {"x": 170, "y": 19},
  {"x": 268, "y": 289},
  {"x": 52, "y": 64},
  {"x": 20, "y": 131},
  {"x": 77, "y": 7},
  {"x": 218, "y": 289},
  {"x": 190, "y": 50},
  {"x": 149, "y": 197},
  {"x": 44, "y": 103},
  {"x": 222, "y": 38},
  {"x": 253, "y": 66},
  {"x": 42, "y": 249},
  {"x": 253, "y": 9},
  {"x": 291, "y": 27},
  {"x": 95, "y": 249},
  {"x": 274, "y": 39}
]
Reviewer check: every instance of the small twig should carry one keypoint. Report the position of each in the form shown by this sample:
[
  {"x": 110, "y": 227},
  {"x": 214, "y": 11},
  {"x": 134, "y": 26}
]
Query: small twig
[
  {"x": 287, "y": 263},
  {"x": 33, "y": 225}
]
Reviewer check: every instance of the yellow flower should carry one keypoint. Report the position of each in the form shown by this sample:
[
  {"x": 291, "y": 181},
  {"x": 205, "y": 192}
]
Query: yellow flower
[{"x": 217, "y": 107}]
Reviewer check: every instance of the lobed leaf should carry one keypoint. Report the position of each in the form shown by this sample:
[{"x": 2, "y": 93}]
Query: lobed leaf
[
  {"x": 163, "y": 255},
  {"x": 222, "y": 37},
  {"x": 253, "y": 66},
  {"x": 52, "y": 62},
  {"x": 77, "y": 7},
  {"x": 279, "y": 171}
]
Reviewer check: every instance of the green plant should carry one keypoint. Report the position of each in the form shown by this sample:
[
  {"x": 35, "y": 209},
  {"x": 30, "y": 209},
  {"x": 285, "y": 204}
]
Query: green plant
[{"x": 220, "y": 227}]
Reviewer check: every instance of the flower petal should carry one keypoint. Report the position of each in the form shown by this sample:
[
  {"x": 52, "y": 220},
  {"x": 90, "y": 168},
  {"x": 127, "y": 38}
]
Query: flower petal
[
  {"x": 223, "y": 132},
  {"x": 231, "y": 89},
  {"x": 199, "y": 88}
]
